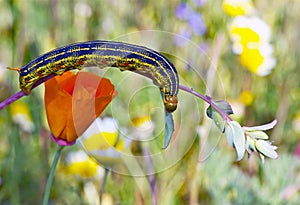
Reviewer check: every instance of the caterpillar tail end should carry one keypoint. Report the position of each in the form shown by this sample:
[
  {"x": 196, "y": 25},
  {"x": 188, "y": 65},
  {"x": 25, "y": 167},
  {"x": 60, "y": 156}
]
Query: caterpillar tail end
[
  {"x": 15, "y": 69},
  {"x": 25, "y": 90}
]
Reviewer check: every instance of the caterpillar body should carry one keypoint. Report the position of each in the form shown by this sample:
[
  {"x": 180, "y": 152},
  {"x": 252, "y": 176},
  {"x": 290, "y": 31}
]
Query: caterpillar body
[{"x": 124, "y": 56}]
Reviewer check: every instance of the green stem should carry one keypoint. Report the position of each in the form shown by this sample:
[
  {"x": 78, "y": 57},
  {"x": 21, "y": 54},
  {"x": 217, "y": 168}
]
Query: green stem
[
  {"x": 103, "y": 184},
  {"x": 51, "y": 175}
]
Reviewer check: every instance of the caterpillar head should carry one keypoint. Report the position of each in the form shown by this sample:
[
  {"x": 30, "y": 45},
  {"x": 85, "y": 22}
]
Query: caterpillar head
[{"x": 170, "y": 103}]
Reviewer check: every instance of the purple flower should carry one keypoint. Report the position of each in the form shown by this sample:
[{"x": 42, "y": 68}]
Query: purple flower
[
  {"x": 199, "y": 3},
  {"x": 193, "y": 19},
  {"x": 196, "y": 23},
  {"x": 183, "y": 11}
]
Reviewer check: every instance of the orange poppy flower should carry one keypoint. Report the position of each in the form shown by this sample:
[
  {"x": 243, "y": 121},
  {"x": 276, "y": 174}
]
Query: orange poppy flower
[{"x": 73, "y": 102}]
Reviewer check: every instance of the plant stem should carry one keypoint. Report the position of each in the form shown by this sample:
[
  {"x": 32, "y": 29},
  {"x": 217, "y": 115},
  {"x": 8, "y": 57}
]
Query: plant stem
[
  {"x": 51, "y": 175},
  {"x": 12, "y": 99},
  {"x": 151, "y": 176},
  {"x": 103, "y": 184},
  {"x": 20, "y": 94},
  {"x": 206, "y": 99}
]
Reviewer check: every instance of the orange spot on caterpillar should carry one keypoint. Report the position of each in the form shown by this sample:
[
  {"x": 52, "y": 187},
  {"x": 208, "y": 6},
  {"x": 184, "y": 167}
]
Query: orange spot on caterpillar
[
  {"x": 40, "y": 73},
  {"x": 81, "y": 61},
  {"x": 126, "y": 64},
  {"x": 58, "y": 67}
]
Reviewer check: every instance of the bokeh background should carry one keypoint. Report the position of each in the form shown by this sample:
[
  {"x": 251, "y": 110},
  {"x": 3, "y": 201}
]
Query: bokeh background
[{"x": 199, "y": 38}]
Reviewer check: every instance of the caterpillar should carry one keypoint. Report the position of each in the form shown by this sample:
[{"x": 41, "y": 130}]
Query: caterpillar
[{"x": 100, "y": 53}]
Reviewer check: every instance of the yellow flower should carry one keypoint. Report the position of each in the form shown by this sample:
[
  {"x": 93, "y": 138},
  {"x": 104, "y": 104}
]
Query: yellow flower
[
  {"x": 258, "y": 60},
  {"x": 238, "y": 7},
  {"x": 247, "y": 97},
  {"x": 251, "y": 36},
  {"x": 80, "y": 164},
  {"x": 102, "y": 134},
  {"x": 248, "y": 30},
  {"x": 141, "y": 121},
  {"x": 143, "y": 127},
  {"x": 21, "y": 115},
  {"x": 242, "y": 37},
  {"x": 103, "y": 141}
]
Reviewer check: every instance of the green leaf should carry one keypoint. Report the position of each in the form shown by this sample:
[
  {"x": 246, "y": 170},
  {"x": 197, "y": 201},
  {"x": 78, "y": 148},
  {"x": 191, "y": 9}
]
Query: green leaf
[
  {"x": 219, "y": 121},
  {"x": 229, "y": 135},
  {"x": 209, "y": 112},
  {"x": 258, "y": 135},
  {"x": 250, "y": 145},
  {"x": 264, "y": 127},
  {"x": 265, "y": 148},
  {"x": 223, "y": 105},
  {"x": 216, "y": 117},
  {"x": 235, "y": 136},
  {"x": 169, "y": 129}
]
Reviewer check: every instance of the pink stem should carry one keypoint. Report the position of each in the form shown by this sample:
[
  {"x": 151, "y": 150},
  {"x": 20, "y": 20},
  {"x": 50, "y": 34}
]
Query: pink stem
[
  {"x": 206, "y": 99},
  {"x": 20, "y": 94}
]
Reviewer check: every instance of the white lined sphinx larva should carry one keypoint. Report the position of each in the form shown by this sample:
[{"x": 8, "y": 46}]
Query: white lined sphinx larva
[{"x": 142, "y": 60}]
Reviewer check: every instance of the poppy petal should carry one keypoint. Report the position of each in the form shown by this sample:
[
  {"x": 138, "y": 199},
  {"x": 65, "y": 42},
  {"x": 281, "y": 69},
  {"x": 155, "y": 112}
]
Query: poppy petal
[
  {"x": 73, "y": 102},
  {"x": 90, "y": 99},
  {"x": 57, "y": 103}
]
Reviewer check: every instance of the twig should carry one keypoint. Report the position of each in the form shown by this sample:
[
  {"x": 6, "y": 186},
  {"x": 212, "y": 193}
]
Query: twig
[
  {"x": 206, "y": 99},
  {"x": 20, "y": 94}
]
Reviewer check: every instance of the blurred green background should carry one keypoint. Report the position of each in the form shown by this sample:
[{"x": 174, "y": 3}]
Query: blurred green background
[{"x": 207, "y": 173}]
